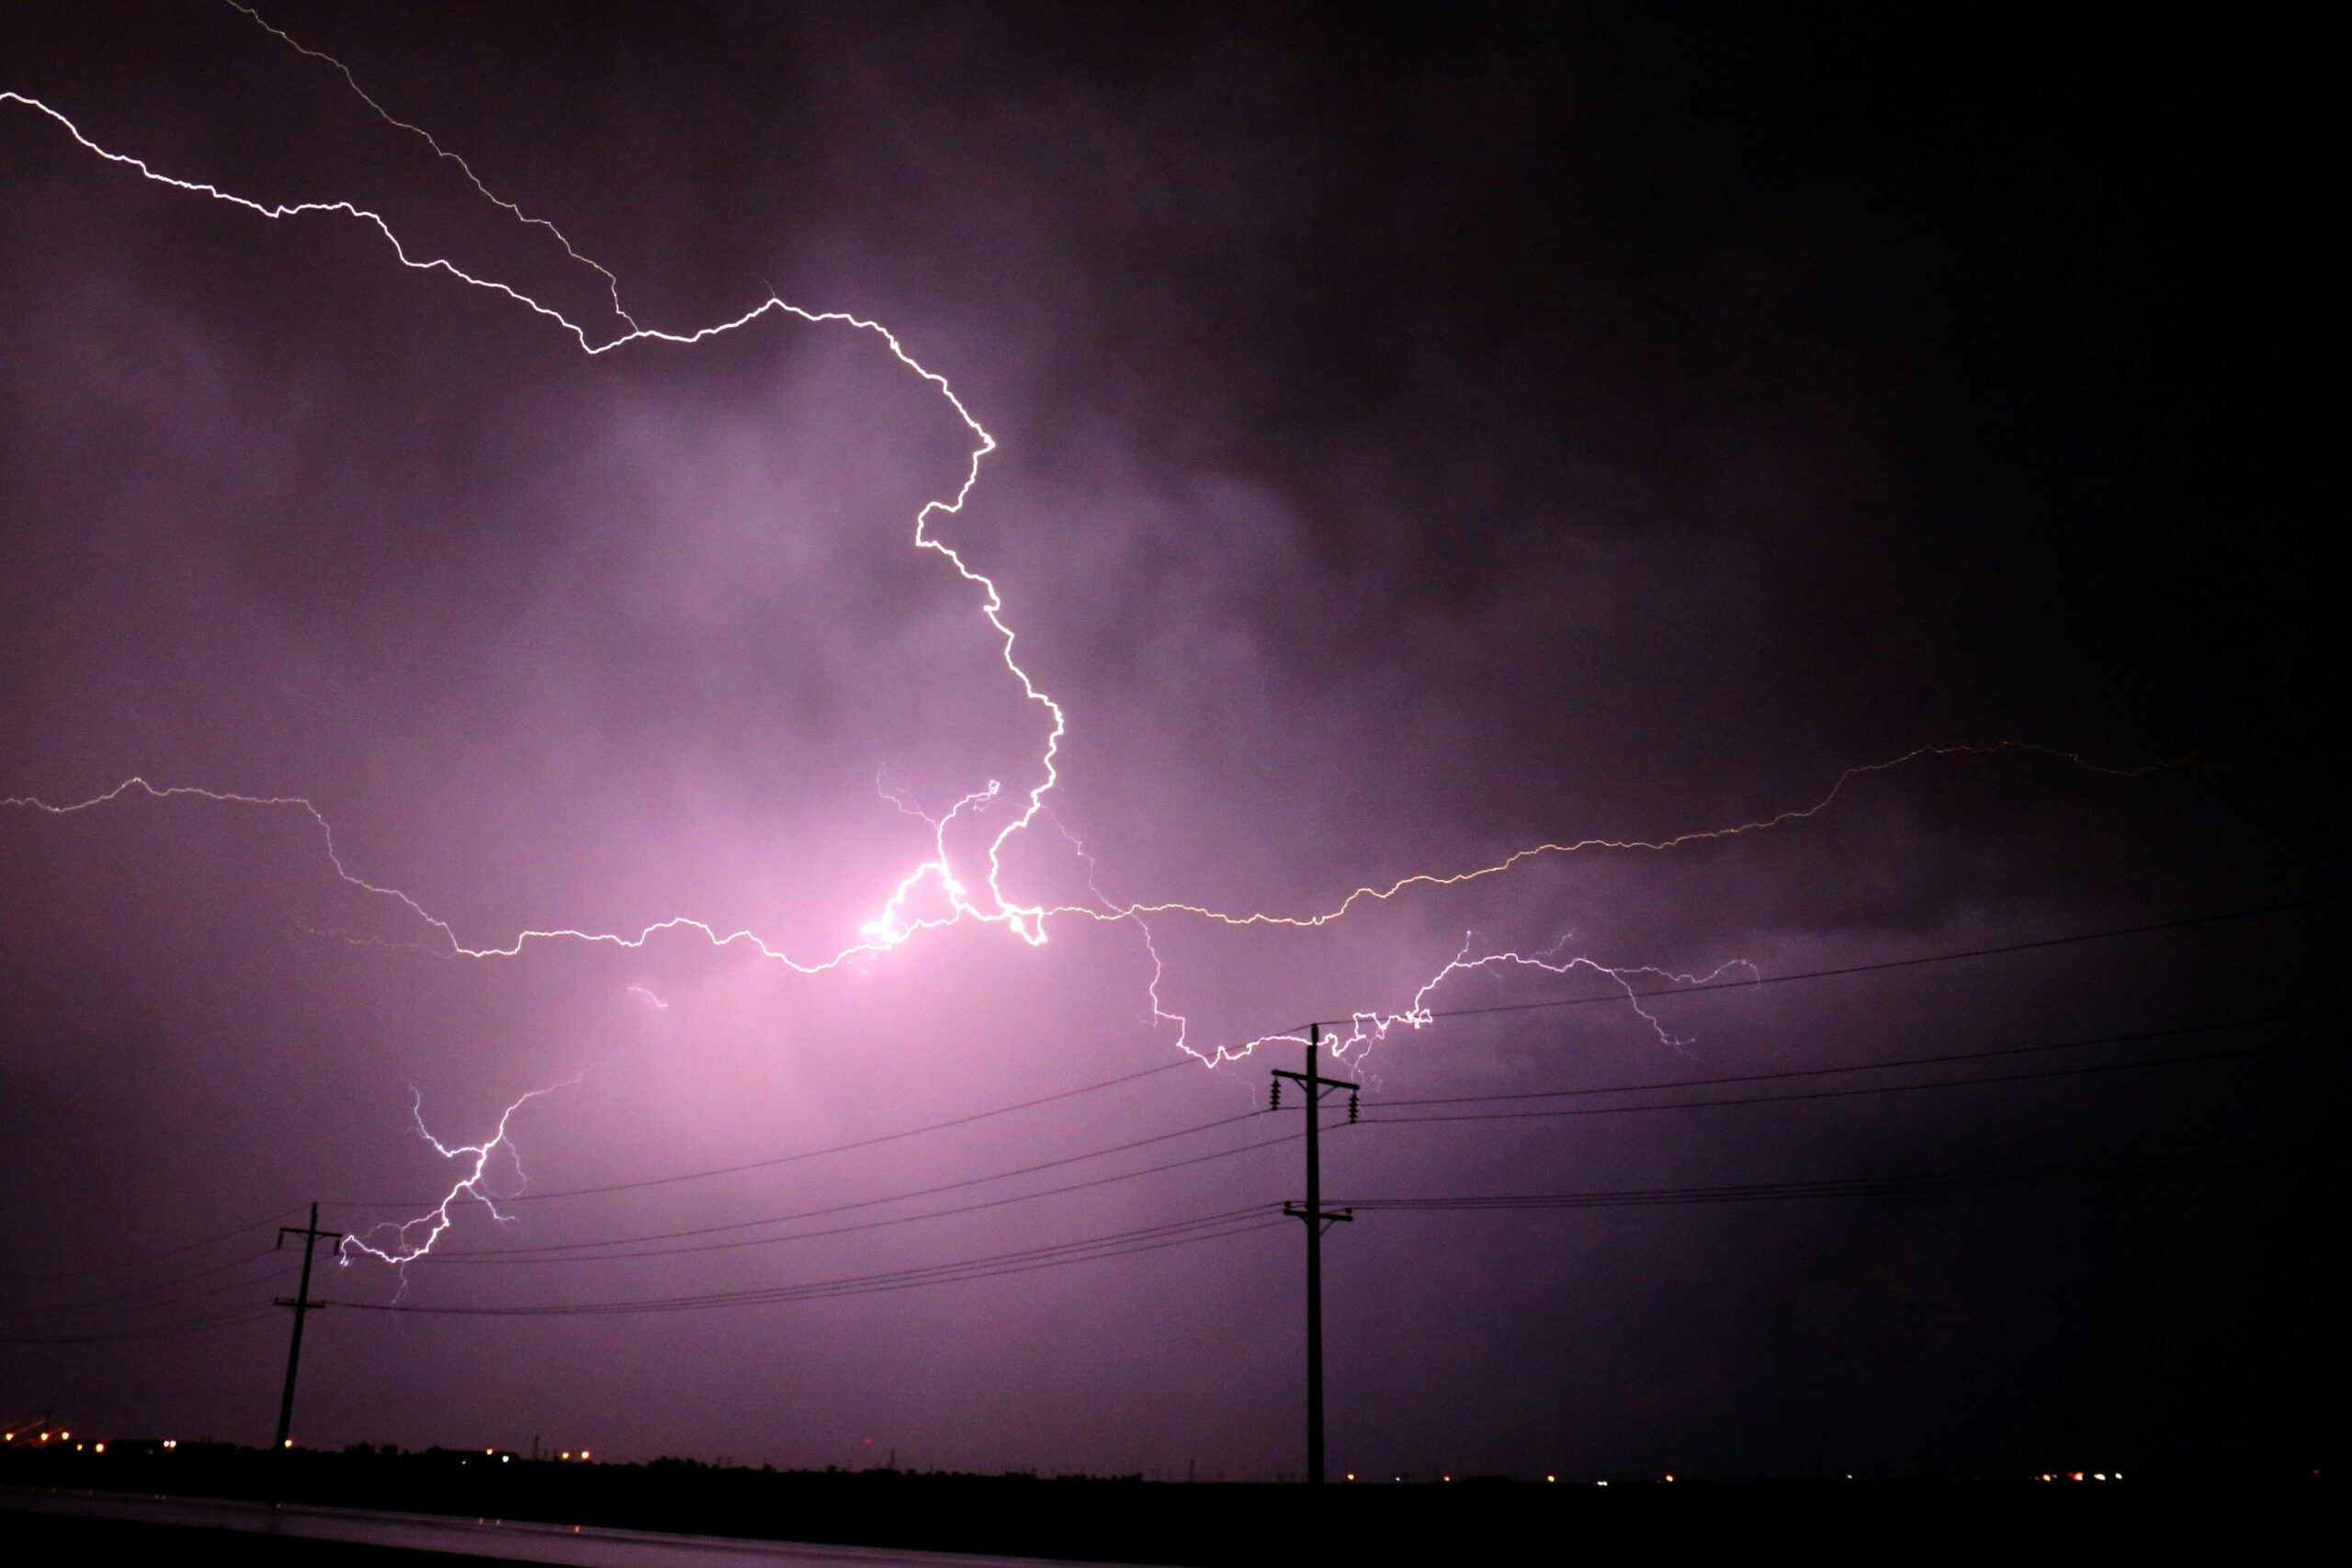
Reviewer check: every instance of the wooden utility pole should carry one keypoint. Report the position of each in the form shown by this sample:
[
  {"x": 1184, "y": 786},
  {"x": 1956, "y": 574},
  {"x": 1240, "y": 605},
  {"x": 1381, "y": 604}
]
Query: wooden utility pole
[
  {"x": 301, "y": 1303},
  {"x": 1317, "y": 1221}
]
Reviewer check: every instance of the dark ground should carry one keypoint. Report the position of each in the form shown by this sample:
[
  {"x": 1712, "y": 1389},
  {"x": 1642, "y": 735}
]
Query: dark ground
[
  {"x": 113, "y": 1540},
  {"x": 1205, "y": 1525}
]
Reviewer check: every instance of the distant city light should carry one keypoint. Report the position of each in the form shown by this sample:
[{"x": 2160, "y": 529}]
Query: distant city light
[
  {"x": 100, "y": 1448},
  {"x": 1551, "y": 1478}
]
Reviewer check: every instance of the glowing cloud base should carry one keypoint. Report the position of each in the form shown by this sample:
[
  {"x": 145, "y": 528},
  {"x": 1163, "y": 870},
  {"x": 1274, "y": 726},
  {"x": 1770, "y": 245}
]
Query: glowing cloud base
[{"x": 958, "y": 893}]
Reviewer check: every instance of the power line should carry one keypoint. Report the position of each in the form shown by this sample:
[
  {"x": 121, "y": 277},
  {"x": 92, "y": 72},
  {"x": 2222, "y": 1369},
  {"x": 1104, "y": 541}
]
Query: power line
[
  {"x": 136, "y": 1259},
  {"x": 992, "y": 1113},
  {"x": 132, "y": 1301},
  {"x": 152, "y": 1285},
  {"x": 871, "y": 1203},
  {"x": 774, "y": 1160},
  {"x": 596, "y": 1251},
  {"x": 1914, "y": 961},
  {"x": 1119, "y": 1244},
  {"x": 217, "y": 1291},
  {"x": 1189, "y": 1060},
  {"x": 1847, "y": 1093},
  {"x": 265, "y": 1222},
  {"x": 1252, "y": 1218},
  {"x": 1866, "y": 1067},
  {"x": 509, "y": 1260},
  {"x": 230, "y": 1317},
  {"x": 2182, "y": 1163}
]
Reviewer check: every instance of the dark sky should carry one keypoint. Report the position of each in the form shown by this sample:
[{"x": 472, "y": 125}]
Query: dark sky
[{"x": 1422, "y": 435}]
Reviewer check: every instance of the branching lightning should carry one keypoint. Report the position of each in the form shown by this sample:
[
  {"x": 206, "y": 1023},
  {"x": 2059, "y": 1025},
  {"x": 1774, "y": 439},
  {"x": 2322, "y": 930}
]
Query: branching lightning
[
  {"x": 395, "y": 1241},
  {"x": 938, "y": 890},
  {"x": 1365, "y": 1030},
  {"x": 1679, "y": 840}
]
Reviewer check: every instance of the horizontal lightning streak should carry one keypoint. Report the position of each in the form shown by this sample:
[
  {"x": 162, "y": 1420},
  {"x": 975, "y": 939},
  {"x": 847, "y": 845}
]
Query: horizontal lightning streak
[
  {"x": 1370, "y": 894},
  {"x": 896, "y": 922},
  {"x": 612, "y": 283},
  {"x": 893, "y": 925}
]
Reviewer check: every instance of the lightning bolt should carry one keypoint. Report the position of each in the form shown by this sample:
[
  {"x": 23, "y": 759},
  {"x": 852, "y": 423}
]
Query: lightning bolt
[
  {"x": 611, "y": 283},
  {"x": 396, "y": 1242},
  {"x": 1381, "y": 894},
  {"x": 893, "y": 925},
  {"x": 956, "y": 894},
  {"x": 1363, "y": 1031}
]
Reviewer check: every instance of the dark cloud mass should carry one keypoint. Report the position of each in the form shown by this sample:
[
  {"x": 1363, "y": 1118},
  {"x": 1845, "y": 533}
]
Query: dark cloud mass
[{"x": 1424, "y": 434}]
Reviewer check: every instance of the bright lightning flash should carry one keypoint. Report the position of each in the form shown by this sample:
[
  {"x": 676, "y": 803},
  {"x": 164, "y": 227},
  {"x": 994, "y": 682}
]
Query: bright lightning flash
[{"x": 948, "y": 891}]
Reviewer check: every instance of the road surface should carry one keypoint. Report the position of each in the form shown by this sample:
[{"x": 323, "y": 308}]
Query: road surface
[{"x": 514, "y": 1540}]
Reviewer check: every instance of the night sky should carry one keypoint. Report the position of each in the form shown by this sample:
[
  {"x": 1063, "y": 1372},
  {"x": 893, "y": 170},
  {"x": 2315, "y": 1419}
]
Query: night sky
[{"x": 1422, "y": 435}]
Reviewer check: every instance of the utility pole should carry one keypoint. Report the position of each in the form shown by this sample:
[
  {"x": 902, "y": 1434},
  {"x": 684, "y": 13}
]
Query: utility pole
[
  {"x": 301, "y": 1303},
  {"x": 1316, "y": 1221}
]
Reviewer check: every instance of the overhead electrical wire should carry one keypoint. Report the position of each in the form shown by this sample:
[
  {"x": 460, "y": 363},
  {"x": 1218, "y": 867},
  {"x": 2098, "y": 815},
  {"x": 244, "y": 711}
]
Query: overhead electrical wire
[
  {"x": 600, "y": 1250},
  {"x": 144, "y": 1300},
  {"x": 794, "y": 1158},
  {"x": 229, "y": 1317},
  {"x": 2182, "y": 1163},
  {"x": 990, "y": 1112},
  {"x": 1255, "y": 1217},
  {"x": 1943, "y": 1059},
  {"x": 136, "y": 1259},
  {"x": 935, "y": 1188},
  {"x": 597, "y": 1251},
  {"x": 509, "y": 1259},
  {"x": 1117, "y": 1244},
  {"x": 965, "y": 1120},
  {"x": 2206, "y": 1057}
]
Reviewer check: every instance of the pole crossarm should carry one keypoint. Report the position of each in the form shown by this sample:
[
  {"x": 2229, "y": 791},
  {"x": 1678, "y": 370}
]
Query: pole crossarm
[
  {"x": 316, "y": 1234},
  {"x": 1329, "y": 1217},
  {"x": 1318, "y": 1089}
]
